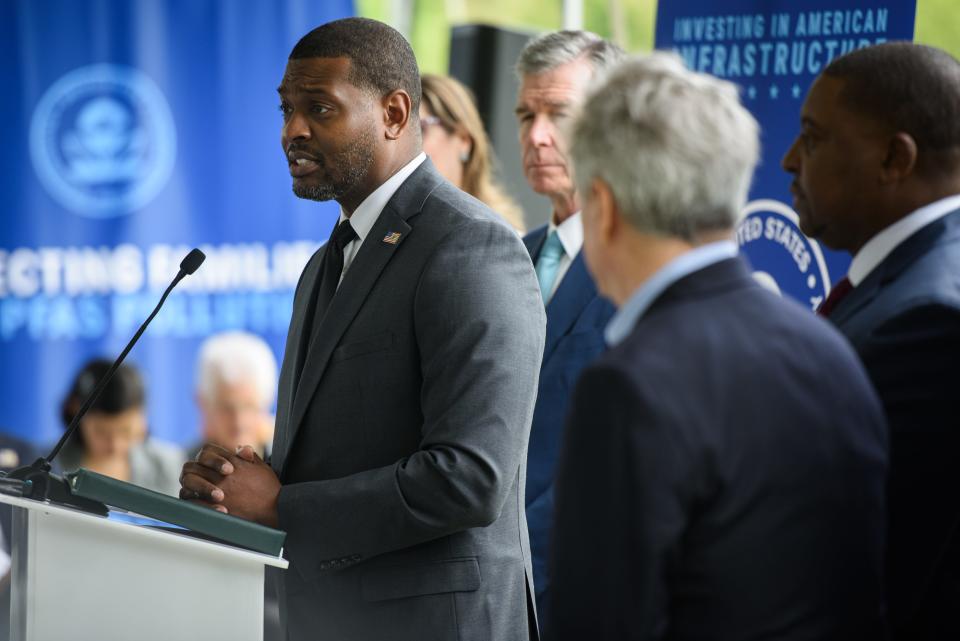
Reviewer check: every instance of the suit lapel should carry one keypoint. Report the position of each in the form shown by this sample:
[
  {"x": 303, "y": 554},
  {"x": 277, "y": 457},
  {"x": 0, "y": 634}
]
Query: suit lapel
[
  {"x": 575, "y": 292},
  {"x": 374, "y": 254},
  {"x": 899, "y": 259},
  {"x": 534, "y": 242},
  {"x": 295, "y": 353},
  {"x": 857, "y": 298}
]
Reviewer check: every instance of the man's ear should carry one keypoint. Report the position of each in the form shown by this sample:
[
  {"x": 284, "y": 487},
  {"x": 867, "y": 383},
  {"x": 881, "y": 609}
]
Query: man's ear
[
  {"x": 396, "y": 113},
  {"x": 901, "y": 158},
  {"x": 606, "y": 211}
]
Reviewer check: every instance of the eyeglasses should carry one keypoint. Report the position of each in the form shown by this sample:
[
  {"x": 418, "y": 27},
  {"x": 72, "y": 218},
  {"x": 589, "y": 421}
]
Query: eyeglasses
[{"x": 429, "y": 121}]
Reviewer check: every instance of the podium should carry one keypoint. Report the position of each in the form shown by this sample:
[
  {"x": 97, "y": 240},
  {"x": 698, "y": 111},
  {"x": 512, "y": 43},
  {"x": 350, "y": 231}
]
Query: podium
[{"x": 83, "y": 576}]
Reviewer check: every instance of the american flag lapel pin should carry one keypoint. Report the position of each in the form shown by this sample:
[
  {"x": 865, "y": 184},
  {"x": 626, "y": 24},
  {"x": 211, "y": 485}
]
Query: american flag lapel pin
[{"x": 392, "y": 238}]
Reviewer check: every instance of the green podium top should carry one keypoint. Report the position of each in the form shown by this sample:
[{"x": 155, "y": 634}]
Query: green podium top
[{"x": 210, "y": 523}]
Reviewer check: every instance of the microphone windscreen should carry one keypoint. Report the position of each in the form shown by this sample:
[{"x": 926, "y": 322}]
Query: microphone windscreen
[{"x": 192, "y": 261}]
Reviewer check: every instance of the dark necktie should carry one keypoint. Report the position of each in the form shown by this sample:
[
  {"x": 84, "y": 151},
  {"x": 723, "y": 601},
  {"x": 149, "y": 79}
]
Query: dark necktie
[
  {"x": 332, "y": 267},
  {"x": 342, "y": 234},
  {"x": 837, "y": 293}
]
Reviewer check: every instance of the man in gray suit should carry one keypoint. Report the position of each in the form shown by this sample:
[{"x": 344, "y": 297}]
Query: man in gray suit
[{"x": 408, "y": 382}]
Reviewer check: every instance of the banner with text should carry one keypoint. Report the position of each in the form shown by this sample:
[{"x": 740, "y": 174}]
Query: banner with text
[
  {"x": 774, "y": 49},
  {"x": 136, "y": 131}
]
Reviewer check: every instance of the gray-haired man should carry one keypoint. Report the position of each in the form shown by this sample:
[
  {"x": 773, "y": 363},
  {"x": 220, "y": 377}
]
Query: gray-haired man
[
  {"x": 554, "y": 72},
  {"x": 724, "y": 464}
]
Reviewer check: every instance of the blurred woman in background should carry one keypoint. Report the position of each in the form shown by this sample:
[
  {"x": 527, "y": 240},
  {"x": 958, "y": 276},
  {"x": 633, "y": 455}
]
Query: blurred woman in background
[
  {"x": 112, "y": 437},
  {"x": 454, "y": 138}
]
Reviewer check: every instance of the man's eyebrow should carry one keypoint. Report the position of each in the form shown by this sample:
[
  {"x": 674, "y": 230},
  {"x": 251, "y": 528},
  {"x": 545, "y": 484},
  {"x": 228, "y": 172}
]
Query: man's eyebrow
[
  {"x": 314, "y": 89},
  {"x": 553, "y": 105},
  {"x": 305, "y": 89}
]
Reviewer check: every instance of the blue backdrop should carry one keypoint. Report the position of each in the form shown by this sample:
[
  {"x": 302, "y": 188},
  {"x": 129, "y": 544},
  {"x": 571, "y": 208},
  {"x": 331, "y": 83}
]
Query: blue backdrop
[
  {"x": 134, "y": 131},
  {"x": 774, "y": 49}
]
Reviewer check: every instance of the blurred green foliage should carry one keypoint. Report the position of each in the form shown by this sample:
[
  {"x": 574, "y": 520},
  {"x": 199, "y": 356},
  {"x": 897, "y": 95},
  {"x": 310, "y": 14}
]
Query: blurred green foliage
[{"x": 630, "y": 23}]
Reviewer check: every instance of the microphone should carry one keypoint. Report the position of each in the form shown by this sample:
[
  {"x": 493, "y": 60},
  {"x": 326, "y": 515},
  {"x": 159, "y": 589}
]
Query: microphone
[{"x": 38, "y": 482}]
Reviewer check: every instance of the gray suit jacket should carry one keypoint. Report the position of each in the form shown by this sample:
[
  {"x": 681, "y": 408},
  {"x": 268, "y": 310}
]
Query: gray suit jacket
[{"x": 402, "y": 444}]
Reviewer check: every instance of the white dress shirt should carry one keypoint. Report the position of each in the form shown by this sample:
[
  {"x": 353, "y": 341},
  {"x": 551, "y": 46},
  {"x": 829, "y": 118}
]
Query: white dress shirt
[
  {"x": 570, "y": 232},
  {"x": 880, "y": 246},
  {"x": 366, "y": 214}
]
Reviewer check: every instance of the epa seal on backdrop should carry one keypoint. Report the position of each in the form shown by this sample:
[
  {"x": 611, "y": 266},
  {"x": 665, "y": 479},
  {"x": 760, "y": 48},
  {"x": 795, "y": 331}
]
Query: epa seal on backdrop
[
  {"x": 783, "y": 258},
  {"x": 102, "y": 140}
]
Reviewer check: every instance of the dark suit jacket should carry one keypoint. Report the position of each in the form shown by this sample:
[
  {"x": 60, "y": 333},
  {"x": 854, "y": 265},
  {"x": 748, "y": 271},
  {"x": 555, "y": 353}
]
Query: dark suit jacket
[
  {"x": 576, "y": 318},
  {"x": 904, "y": 321},
  {"x": 402, "y": 446},
  {"x": 722, "y": 477}
]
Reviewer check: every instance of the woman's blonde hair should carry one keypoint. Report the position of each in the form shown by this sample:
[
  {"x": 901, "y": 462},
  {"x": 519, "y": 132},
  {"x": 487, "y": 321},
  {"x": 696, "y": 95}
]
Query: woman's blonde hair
[{"x": 453, "y": 104}]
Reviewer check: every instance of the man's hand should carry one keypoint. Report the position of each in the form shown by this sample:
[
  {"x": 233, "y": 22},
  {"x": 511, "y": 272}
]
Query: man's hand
[
  {"x": 240, "y": 484},
  {"x": 202, "y": 477}
]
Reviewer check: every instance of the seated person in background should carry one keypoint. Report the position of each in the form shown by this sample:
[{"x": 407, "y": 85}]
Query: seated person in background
[
  {"x": 454, "y": 138},
  {"x": 236, "y": 386},
  {"x": 112, "y": 438}
]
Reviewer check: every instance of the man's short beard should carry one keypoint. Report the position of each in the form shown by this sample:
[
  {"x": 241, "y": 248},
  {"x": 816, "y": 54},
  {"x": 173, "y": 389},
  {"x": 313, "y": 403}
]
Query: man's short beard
[
  {"x": 351, "y": 166},
  {"x": 316, "y": 192}
]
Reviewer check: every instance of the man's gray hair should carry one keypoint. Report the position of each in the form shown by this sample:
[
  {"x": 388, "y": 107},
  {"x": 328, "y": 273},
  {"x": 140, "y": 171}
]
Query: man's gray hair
[
  {"x": 556, "y": 48},
  {"x": 236, "y": 357},
  {"x": 675, "y": 146}
]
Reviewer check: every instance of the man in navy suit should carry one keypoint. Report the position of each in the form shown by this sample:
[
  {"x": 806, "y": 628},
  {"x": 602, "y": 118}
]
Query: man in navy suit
[
  {"x": 554, "y": 70},
  {"x": 722, "y": 474},
  {"x": 877, "y": 173}
]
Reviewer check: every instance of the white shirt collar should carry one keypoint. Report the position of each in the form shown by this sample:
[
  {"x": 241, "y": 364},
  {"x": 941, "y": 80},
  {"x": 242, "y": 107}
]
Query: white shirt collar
[
  {"x": 879, "y": 247},
  {"x": 367, "y": 213},
  {"x": 570, "y": 232}
]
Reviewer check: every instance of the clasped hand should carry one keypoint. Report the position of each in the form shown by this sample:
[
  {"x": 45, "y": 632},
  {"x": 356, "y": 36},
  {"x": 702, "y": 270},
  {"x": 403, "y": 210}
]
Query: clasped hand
[{"x": 240, "y": 483}]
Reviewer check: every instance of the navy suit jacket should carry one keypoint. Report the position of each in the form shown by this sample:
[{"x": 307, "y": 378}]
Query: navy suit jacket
[
  {"x": 576, "y": 318},
  {"x": 904, "y": 321},
  {"x": 722, "y": 477}
]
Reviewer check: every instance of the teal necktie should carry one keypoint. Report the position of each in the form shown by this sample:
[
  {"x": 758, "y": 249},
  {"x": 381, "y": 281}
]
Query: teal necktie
[{"x": 548, "y": 263}]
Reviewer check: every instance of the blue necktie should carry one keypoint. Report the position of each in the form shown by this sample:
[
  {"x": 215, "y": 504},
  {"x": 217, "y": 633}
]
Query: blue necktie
[{"x": 548, "y": 263}]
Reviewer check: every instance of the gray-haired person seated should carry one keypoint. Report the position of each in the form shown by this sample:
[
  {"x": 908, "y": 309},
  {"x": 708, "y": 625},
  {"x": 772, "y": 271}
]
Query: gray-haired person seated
[{"x": 235, "y": 389}]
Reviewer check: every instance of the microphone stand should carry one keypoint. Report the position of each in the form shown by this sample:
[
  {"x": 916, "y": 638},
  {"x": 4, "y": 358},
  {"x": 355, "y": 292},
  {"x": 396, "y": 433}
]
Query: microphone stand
[{"x": 37, "y": 481}]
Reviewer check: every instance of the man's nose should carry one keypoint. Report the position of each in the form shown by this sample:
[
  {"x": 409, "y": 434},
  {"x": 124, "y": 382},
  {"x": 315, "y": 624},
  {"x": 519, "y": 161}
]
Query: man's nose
[
  {"x": 791, "y": 160},
  {"x": 295, "y": 128},
  {"x": 541, "y": 132}
]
